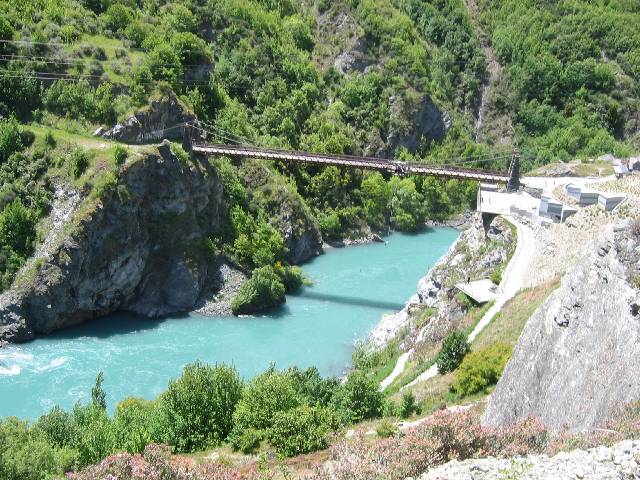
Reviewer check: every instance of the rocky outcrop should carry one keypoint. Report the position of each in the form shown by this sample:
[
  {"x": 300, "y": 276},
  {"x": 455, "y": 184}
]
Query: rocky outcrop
[
  {"x": 286, "y": 211},
  {"x": 578, "y": 357},
  {"x": 164, "y": 117},
  {"x": 138, "y": 248},
  {"x": 413, "y": 120},
  {"x": 476, "y": 253},
  {"x": 618, "y": 462}
]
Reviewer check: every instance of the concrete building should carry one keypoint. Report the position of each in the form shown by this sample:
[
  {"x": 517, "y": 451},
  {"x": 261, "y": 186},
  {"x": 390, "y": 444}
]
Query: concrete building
[
  {"x": 609, "y": 201},
  {"x": 555, "y": 210}
]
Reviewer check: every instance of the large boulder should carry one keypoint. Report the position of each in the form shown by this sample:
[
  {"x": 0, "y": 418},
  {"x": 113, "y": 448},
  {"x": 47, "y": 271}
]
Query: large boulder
[
  {"x": 164, "y": 118},
  {"x": 578, "y": 358}
]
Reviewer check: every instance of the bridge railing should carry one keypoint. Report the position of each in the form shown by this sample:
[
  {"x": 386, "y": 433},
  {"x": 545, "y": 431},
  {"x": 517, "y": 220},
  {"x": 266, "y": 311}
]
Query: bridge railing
[{"x": 391, "y": 166}]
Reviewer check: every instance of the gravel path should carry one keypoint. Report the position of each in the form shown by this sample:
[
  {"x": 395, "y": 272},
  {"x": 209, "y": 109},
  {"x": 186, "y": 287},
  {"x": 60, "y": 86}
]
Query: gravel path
[
  {"x": 398, "y": 369},
  {"x": 620, "y": 462}
]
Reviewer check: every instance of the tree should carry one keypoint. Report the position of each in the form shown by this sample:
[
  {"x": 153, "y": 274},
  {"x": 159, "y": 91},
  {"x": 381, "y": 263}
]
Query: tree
[
  {"x": 164, "y": 64},
  {"x": 12, "y": 138},
  {"x": 17, "y": 228},
  {"x": 407, "y": 204},
  {"x": 301, "y": 430},
  {"x": 359, "y": 398},
  {"x": 454, "y": 348},
  {"x": 179, "y": 18},
  {"x": 376, "y": 196},
  {"x": 266, "y": 395},
  {"x": 264, "y": 290},
  {"x": 257, "y": 243},
  {"x": 190, "y": 48},
  {"x": 134, "y": 424},
  {"x": 198, "y": 407},
  {"x": 98, "y": 395},
  {"x": 117, "y": 17}
]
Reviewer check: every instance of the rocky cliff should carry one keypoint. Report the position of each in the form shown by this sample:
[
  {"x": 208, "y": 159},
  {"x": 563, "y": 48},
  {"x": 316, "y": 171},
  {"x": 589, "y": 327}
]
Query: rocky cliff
[
  {"x": 139, "y": 246},
  {"x": 479, "y": 250},
  {"x": 286, "y": 211},
  {"x": 578, "y": 357},
  {"x": 164, "y": 117}
]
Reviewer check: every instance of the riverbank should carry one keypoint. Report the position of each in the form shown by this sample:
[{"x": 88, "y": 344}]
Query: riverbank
[
  {"x": 352, "y": 288},
  {"x": 467, "y": 257}
]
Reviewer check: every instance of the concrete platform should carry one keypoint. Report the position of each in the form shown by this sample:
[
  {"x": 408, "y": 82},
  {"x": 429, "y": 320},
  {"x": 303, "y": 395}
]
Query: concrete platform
[{"x": 481, "y": 291}]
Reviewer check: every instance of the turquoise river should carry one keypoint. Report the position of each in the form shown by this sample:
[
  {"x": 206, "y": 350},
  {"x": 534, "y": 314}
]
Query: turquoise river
[{"x": 352, "y": 288}]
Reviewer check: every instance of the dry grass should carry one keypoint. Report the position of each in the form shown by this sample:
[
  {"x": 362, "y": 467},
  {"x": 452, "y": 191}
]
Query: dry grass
[{"x": 508, "y": 324}]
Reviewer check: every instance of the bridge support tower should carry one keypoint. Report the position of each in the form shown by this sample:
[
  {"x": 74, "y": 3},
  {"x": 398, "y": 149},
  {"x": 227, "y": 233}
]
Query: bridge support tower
[{"x": 514, "y": 172}]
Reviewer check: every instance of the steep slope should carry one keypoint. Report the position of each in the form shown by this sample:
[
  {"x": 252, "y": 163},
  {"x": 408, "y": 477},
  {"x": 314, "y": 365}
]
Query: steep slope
[
  {"x": 576, "y": 362},
  {"x": 138, "y": 245}
]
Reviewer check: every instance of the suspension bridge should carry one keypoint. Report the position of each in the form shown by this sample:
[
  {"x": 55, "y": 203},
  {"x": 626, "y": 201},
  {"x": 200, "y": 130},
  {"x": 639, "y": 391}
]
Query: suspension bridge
[{"x": 394, "y": 167}]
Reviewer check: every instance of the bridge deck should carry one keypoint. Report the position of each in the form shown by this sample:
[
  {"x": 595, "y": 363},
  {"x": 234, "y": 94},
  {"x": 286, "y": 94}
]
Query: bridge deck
[{"x": 389, "y": 166}]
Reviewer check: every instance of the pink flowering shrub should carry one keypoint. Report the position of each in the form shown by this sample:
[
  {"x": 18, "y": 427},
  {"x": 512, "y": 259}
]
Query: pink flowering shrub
[
  {"x": 442, "y": 437},
  {"x": 156, "y": 463},
  {"x": 520, "y": 438}
]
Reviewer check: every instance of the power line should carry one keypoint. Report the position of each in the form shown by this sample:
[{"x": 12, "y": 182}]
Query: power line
[
  {"x": 143, "y": 50},
  {"x": 86, "y": 61}
]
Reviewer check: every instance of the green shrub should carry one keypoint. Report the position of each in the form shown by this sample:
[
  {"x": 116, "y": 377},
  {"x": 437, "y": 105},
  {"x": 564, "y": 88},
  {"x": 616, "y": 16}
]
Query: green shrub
[
  {"x": 291, "y": 276},
  {"x": 78, "y": 162},
  {"x": 198, "y": 407},
  {"x": 266, "y": 395},
  {"x": 264, "y": 290},
  {"x": 94, "y": 439},
  {"x": 390, "y": 408},
  {"x": 312, "y": 387},
  {"x": 386, "y": 429},
  {"x": 134, "y": 423},
  {"x": 248, "y": 441},
  {"x": 164, "y": 64},
  {"x": 481, "y": 369},
  {"x": 465, "y": 300},
  {"x": 120, "y": 155},
  {"x": 17, "y": 228},
  {"x": 256, "y": 243},
  {"x": 454, "y": 349},
  {"x": 13, "y": 138},
  {"x": 301, "y": 430},
  {"x": 49, "y": 139},
  {"x": 496, "y": 276},
  {"x": 359, "y": 398},
  {"x": 80, "y": 99},
  {"x": 117, "y": 17},
  {"x": 330, "y": 225},
  {"x": 57, "y": 427},
  {"x": 408, "y": 405}
]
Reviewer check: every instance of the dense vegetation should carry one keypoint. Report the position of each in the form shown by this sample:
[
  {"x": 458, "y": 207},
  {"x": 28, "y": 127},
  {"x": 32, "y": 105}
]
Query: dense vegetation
[
  {"x": 573, "y": 73},
  {"x": 293, "y": 410}
]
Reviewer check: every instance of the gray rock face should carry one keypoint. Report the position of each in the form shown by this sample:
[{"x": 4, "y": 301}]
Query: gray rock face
[
  {"x": 163, "y": 118},
  {"x": 578, "y": 357},
  {"x": 140, "y": 249},
  {"x": 411, "y": 120},
  {"x": 287, "y": 212}
]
